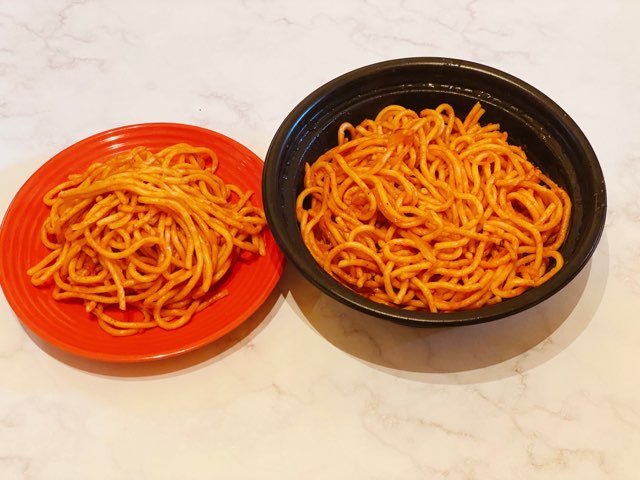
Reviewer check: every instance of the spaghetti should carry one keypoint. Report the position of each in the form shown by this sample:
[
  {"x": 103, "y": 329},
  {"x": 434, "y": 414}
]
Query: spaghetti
[
  {"x": 151, "y": 233},
  {"x": 430, "y": 211}
]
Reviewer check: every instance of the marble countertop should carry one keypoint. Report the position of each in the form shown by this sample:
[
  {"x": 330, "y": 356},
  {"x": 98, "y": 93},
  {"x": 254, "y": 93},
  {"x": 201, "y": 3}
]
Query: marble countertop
[{"x": 307, "y": 388}]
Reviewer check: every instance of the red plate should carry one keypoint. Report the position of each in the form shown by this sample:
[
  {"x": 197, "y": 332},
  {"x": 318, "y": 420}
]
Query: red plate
[{"x": 66, "y": 324}]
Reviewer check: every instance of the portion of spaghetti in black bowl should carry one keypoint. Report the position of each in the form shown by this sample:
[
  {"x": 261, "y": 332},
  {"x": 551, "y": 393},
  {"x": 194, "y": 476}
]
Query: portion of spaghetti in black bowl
[{"x": 535, "y": 125}]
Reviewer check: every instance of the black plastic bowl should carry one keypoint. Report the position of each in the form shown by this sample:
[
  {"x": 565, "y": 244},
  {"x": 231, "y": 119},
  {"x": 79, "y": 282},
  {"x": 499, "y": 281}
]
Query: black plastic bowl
[{"x": 550, "y": 138}]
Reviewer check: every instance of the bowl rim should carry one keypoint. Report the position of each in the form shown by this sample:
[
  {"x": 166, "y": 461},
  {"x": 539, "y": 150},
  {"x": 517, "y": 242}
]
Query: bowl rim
[{"x": 318, "y": 277}]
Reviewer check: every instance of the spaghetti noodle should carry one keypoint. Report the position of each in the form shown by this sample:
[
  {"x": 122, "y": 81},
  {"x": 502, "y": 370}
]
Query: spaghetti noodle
[
  {"x": 431, "y": 211},
  {"x": 152, "y": 233}
]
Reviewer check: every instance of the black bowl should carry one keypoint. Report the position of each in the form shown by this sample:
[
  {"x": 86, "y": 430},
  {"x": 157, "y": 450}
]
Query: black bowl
[{"x": 550, "y": 138}]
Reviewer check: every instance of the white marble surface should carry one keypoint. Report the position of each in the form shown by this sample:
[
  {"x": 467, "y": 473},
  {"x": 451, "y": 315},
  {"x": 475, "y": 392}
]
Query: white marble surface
[{"x": 307, "y": 389}]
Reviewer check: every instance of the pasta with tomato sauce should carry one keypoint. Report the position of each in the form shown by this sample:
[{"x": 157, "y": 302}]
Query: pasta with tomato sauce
[{"x": 430, "y": 211}]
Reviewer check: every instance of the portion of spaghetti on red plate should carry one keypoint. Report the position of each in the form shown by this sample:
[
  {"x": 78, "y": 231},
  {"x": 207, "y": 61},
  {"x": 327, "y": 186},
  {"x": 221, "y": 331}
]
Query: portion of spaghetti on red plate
[{"x": 147, "y": 232}]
